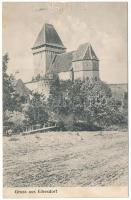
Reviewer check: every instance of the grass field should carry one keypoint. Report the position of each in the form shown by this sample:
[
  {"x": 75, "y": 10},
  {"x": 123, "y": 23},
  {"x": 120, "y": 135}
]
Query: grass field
[{"x": 66, "y": 159}]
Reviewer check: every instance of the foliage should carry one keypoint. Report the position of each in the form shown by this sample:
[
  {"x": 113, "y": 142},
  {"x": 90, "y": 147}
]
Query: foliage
[
  {"x": 72, "y": 105},
  {"x": 12, "y": 102},
  {"x": 36, "y": 110},
  {"x": 8, "y": 89},
  {"x": 15, "y": 120},
  {"x": 90, "y": 102},
  {"x": 55, "y": 96},
  {"x": 11, "y": 99},
  {"x": 36, "y": 78}
]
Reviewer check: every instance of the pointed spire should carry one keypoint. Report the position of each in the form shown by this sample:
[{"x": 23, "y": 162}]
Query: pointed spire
[
  {"x": 48, "y": 36},
  {"x": 85, "y": 52}
]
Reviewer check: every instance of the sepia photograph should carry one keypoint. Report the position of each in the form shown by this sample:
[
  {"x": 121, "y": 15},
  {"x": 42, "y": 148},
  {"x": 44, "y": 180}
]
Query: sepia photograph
[{"x": 65, "y": 99}]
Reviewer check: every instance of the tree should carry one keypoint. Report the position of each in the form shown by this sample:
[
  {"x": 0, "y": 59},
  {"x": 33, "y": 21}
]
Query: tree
[
  {"x": 8, "y": 89},
  {"x": 87, "y": 101},
  {"x": 17, "y": 121},
  {"x": 12, "y": 100},
  {"x": 37, "y": 110},
  {"x": 54, "y": 99}
]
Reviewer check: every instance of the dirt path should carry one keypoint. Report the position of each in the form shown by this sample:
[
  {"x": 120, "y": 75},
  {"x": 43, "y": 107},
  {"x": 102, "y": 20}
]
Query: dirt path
[{"x": 65, "y": 159}]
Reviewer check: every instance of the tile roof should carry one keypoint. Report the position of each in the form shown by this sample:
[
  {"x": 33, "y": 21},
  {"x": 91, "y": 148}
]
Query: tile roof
[
  {"x": 61, "y": 63},
  {"x": 85, "y": 52},
  {"x": 48, "y": 36}
]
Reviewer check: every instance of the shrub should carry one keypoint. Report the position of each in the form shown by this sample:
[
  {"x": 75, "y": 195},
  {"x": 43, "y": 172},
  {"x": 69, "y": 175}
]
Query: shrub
[
  {"x": 15, "y": 121},
  {"x": 90, "y": 102}
]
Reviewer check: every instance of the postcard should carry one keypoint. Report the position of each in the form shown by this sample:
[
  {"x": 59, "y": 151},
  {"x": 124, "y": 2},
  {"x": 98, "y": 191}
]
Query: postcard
[{"x": 65, "y": 99}]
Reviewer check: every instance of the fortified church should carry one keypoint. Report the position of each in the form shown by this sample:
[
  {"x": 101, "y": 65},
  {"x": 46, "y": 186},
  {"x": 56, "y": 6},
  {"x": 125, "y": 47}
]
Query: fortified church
[{"x": 51, "y": 60}]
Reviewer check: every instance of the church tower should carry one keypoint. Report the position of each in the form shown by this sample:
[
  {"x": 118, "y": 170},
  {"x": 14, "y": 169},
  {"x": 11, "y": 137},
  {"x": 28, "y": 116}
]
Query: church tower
[
  {"x": 47, "y": 44},
  {"x": 85, "y": 63}
]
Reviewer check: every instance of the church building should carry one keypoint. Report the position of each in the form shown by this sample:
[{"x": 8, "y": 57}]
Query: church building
[
  {"x": 52, "y": 60},
  {"x": 50, "y": 57}
]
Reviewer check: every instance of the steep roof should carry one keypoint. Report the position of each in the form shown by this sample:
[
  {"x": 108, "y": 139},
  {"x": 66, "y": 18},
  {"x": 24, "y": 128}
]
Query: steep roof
[
  {"x": 61, "y": 63},
  {"x": 48, "y": 36},
  {"x": 21, "y": 89},
  {"x": 85, "y": 52}
]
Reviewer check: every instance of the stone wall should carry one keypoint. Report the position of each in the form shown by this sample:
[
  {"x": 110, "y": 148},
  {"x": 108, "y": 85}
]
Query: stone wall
[{"x": 42, "y": 87}]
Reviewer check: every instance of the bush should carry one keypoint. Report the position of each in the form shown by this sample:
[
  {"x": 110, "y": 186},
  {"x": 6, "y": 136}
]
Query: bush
[
  {"x": 16, "y": 121},
  {"x": 37, "y": 110},
  {"x": 61, "y": 126},
  {"x": 88, "y": 101}
]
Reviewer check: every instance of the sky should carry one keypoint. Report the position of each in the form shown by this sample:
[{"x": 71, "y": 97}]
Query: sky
[{"x": 104, "y": 25}]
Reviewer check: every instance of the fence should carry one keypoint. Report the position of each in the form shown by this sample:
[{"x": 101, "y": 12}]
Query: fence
[{"x": 31, "y": 128}]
